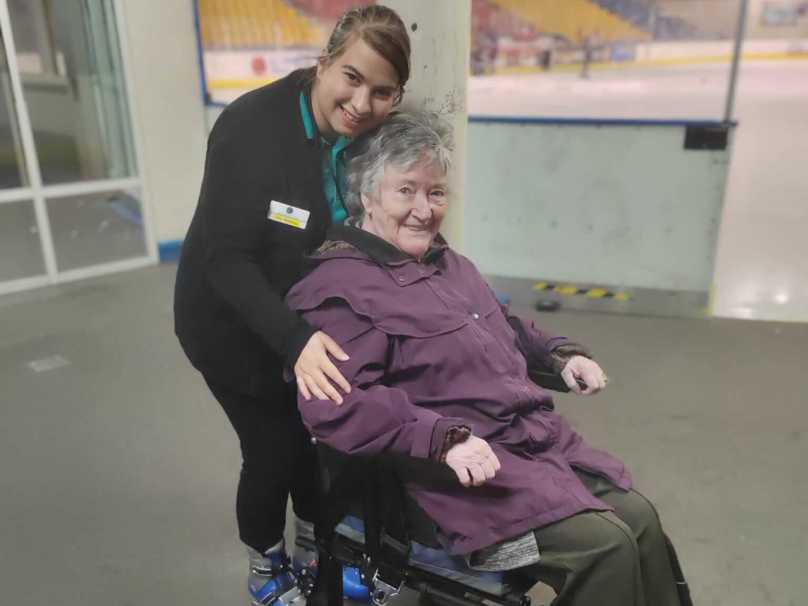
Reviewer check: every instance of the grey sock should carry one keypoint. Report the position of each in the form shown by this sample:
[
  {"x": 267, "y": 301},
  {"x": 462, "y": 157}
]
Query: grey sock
[
  {"x": 260, "y": 563},
  {"x": 305, "y": 546},
  {"x": 279, "y": 546},
  {"x": 304, "y": 529}
]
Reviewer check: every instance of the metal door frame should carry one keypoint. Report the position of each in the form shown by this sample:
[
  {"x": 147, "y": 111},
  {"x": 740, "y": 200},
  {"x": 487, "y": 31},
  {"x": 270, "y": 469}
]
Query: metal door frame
[{"x": 38, "y": 192}]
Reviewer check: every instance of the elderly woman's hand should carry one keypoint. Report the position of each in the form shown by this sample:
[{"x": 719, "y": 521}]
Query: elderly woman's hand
[
  {"x": 314, "y": 368},
  {"x": 473, "y": 461},
  {"x": 588, "y": 371}
]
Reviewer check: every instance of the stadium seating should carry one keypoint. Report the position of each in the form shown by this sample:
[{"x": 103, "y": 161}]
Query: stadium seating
[
  {"x": 326, "y": 11},
  {"x": 242, "y": 24},
  {"x": 633, "y": 11},
  {"x": 486, "y": 15},
  {"x": 574, "y": 19},
  {"x": 661, "y": 26}
]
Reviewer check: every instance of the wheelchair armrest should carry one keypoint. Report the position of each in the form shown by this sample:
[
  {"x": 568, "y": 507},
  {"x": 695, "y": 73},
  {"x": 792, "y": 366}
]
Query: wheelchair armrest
[
  {"x": 424, "y": 472},
  {"x": 548, "y": 379}
]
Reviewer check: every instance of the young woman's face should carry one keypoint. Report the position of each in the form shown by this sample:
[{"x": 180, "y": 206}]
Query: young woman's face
[
  {"x": 408, "y": 208},
  {"x": 355, "y": 92}
]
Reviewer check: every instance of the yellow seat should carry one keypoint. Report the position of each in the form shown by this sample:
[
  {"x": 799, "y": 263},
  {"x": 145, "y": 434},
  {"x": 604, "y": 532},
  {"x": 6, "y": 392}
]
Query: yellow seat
[
  {"x": 573, "y": 19},
  {"x": 234, "y": 24}
]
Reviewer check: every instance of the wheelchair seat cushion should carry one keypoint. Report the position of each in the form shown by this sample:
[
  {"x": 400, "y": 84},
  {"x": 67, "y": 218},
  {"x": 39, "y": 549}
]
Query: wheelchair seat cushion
[{"x": 435, "y": 561}]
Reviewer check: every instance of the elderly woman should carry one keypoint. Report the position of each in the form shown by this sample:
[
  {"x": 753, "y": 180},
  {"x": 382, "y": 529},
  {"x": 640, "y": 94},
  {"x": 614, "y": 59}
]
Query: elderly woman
[{"x": 439, "y": 370}]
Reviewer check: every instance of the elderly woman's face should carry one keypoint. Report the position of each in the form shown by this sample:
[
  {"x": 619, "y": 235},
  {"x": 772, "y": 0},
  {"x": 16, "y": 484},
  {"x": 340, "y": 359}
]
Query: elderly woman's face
[{"x": 409, "y": 207}]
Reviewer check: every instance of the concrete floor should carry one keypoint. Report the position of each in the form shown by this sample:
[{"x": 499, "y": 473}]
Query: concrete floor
[{"x": 118, "y": 469}]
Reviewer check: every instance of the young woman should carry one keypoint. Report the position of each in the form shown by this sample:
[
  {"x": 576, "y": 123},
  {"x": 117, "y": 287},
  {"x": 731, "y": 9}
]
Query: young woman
[{"x": 272, "y": 185}]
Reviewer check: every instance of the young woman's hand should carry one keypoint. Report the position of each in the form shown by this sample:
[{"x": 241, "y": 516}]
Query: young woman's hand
[
  {"x": 315, "y": 371},
  {"x": 588, "y": 371},
  {"x": 473, "y": 461}
]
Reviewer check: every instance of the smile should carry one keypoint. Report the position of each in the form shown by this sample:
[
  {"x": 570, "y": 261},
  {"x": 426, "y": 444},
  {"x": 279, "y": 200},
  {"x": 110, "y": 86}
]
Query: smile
[{"x": 350, "y": 117}]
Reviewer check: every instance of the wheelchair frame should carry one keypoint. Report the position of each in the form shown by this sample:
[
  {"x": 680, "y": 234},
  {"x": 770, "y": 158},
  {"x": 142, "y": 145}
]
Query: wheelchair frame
[{"x": 383, "y": 559}]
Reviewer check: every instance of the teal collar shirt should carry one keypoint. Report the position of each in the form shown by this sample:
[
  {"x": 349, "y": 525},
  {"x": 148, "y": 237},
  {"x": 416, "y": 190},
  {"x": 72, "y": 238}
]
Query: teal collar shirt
[{"x": 333, "y": 163}]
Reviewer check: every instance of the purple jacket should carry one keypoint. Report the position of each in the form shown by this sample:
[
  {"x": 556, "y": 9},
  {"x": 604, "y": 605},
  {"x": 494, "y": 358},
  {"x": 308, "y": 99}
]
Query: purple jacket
[{"x": 431, "y": 348}]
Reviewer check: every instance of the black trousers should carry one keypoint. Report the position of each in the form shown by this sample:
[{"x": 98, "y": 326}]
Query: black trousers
[
  {"x": 615, "y": 558},
  {"x": 278, "y": 460}
]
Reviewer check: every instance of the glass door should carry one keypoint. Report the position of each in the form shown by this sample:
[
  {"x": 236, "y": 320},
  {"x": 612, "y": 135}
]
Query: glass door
[
  {"x": 22, "y": 258},
  {"x": 71, "y": 202}
]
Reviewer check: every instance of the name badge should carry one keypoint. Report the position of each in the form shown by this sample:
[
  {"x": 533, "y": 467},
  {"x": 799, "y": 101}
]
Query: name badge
[{"x": 288, "y": 215}]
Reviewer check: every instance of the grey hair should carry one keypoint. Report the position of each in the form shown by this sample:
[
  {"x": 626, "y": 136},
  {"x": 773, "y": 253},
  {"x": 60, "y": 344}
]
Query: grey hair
[{"x": 403, "y": 141}]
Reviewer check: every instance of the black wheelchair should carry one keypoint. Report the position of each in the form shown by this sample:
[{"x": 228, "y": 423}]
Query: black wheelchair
[{"x": 370, "y": 522}]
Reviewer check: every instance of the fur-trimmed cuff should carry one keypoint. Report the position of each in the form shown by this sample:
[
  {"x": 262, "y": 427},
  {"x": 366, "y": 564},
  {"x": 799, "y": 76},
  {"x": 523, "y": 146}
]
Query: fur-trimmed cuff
[
  {"x": 454, "y": 435},
  {"x": 563, "y": 353}
]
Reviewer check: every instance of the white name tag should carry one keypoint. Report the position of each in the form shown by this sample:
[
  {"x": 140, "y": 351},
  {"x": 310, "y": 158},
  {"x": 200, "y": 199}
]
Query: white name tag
[{"x": 288, "y": 215}]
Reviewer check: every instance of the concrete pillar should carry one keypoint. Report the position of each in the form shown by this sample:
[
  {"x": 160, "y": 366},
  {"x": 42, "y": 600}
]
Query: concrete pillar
[
  {"x": 440, "y": 34},
  {"x": 159, "y": 41}
]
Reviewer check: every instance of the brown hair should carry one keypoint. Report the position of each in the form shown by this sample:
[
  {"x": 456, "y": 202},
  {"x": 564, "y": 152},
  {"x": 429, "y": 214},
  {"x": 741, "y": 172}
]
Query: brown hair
[{"x": 381, "y": 29}]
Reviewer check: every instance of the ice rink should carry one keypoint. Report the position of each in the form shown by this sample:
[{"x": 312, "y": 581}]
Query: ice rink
[{"x": 762, "y": 259}]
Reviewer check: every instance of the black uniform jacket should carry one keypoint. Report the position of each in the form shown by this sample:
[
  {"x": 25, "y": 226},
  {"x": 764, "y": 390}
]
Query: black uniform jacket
[{"x": 236, "y": 264}]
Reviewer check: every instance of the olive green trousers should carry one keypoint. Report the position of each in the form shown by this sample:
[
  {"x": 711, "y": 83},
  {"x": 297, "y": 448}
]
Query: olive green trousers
[{"x": 615, "y": 558}]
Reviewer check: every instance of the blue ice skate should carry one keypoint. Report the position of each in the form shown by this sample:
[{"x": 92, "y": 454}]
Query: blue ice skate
[
  {"x": 305, "y": 569},
  {"x": 271, "y": 581},
  {"x": 353, "y": 587}
]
